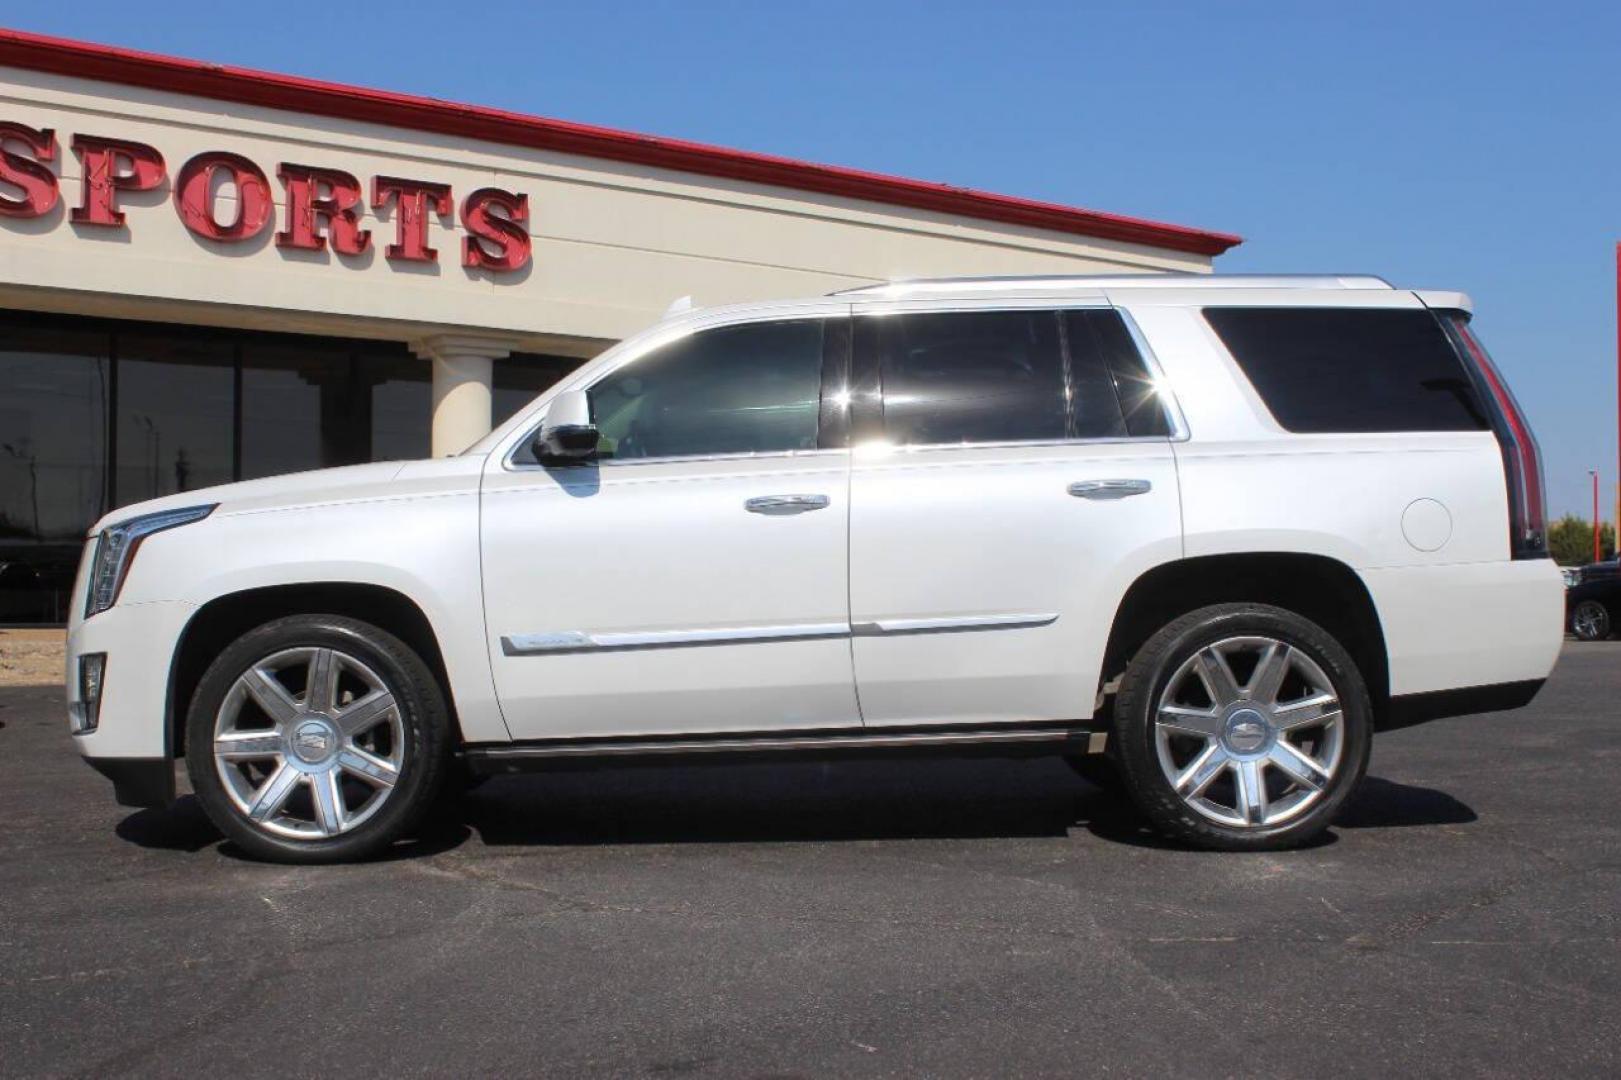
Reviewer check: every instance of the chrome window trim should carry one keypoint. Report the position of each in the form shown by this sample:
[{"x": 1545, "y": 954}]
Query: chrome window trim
[
  {"x": 1103, "y": 440},
  {"x": 1166, "y": 393},
  {"x": 625, "y": 463}
]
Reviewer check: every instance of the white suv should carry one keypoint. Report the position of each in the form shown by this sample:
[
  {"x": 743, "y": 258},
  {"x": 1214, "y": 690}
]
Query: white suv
[{"x": 1202, "y": 536}]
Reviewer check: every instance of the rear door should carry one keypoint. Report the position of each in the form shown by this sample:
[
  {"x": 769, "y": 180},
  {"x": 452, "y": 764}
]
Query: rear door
[{"x": 1012, "y": 474}]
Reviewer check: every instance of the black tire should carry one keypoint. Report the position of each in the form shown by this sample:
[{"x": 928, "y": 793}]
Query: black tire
[
  {"x": 1151, "y": 670},
  {"x": 423, "y": 720},
  {"x": 1590, "y": 621},
  {"x": 1099, "y": 770}
]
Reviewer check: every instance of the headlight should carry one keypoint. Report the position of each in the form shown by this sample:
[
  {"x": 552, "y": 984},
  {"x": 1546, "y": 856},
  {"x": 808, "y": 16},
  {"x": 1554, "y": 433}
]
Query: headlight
[
  {"x": 116, "y": 549},
  {"x": 1573, "y": 578}
]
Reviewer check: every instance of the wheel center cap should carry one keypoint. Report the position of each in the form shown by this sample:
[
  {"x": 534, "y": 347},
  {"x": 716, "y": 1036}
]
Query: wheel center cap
[
  {"x": 313, "y": 741},
  {"x": 1247, "y": 732}
]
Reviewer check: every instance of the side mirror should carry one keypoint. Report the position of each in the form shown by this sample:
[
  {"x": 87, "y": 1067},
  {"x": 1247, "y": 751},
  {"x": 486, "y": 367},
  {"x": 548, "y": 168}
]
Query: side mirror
[{"x": 567, "y": 435}]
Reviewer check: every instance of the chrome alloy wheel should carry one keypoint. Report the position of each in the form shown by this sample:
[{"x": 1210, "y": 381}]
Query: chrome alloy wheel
[
  {"x": 1590, "y": 621},
  {"x": 1248, "y": 732},
  {"x": 309, "y": 743}
]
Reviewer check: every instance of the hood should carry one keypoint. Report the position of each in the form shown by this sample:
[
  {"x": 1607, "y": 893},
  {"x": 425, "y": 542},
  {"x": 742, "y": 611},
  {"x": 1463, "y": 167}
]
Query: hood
[{"x": 349, "y": 483}]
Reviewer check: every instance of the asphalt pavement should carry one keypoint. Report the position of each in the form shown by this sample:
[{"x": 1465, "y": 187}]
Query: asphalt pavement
[{"x": 921, "y": 918}]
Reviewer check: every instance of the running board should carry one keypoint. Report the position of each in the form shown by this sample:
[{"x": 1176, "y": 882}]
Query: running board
[{"x": 488, "y": 759}]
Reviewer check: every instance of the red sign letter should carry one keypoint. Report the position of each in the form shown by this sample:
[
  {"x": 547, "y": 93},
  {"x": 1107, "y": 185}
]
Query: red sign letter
[
  {"x": 410, "y": 214},
  {"x": 495, "y": 241},
  {"x": 29, "y": 174},
  {"x": 307, "y": 204},
  {"x": 193, "y": 196},
  {"x": 111, "y": 166}
]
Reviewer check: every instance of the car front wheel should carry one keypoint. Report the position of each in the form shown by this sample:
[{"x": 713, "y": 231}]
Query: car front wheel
[
  {"x": 316, "y": 738},
  {"x": 1242, "y": 727}
]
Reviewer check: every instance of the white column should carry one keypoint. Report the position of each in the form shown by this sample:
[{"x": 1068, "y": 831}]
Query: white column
[{"x": 462, "y": 367}]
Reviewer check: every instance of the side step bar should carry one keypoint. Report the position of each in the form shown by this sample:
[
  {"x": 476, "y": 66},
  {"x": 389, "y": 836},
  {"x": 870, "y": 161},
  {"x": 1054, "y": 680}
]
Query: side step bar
[{"x": 493, "y": 759}]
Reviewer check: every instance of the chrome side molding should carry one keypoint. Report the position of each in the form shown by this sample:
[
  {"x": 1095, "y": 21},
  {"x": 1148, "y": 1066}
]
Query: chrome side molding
[
  {"x": 886, "y": 627},
  {"x": 567, "y": 641},
  {"x": 574, "y": 641}
]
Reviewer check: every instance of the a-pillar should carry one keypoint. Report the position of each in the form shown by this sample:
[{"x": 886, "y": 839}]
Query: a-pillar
[{"x": 462, "y": 377}]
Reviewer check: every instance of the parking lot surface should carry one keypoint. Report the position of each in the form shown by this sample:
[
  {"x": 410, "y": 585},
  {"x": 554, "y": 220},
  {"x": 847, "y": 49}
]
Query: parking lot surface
[{"x": 943, "y": 918}]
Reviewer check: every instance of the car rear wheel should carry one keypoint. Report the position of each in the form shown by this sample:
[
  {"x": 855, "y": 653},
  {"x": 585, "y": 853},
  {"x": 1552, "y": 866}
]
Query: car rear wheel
[
  {"x": 316, "y": 738},
  {"x": 1590, "y": 621},
  {"x": 1242, "y": 727}
]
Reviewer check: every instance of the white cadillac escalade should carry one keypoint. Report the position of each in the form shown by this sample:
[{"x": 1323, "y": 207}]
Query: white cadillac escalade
[{"x": 1201, "y": 536}]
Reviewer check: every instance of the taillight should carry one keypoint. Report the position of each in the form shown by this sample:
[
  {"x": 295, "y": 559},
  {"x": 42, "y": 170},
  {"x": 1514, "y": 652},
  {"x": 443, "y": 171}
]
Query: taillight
[{"x": 1522, "y": 458}]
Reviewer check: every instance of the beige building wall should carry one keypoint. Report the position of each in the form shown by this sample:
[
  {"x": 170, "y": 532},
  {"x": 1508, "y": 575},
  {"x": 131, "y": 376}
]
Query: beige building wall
[{"x": 613, "y": 243}]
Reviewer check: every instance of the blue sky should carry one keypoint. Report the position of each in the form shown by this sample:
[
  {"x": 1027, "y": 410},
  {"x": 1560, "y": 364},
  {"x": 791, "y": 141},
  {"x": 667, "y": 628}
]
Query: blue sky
[{"x": 1453, "y": 145}]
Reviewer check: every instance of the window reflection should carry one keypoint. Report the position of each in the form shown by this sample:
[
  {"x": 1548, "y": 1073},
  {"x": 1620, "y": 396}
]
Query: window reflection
[
  {"x": 174, "y": 416},
  {"x": 53, "y": 415},
  {"x": 282, "y": 410}
]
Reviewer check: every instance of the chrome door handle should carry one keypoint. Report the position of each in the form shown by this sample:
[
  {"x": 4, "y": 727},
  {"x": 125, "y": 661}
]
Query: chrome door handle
[
  {"x": 1109, "y": 489},
  {"x": 785, "y": 504}
]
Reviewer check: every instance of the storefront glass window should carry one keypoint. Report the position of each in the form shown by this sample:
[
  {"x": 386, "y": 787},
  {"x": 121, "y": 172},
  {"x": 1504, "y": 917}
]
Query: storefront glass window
[
  {"x": 520, "y": 377},
  {"x": 53, "y": 417},
  {"x": 282, "y": 410},
  {"x": 174, "y": 415},
  {"x": 401, "y": 399}
]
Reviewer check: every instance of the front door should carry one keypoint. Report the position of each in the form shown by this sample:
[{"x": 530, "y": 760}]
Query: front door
[
  {"x": 1013, "y": 474},
  {"x": 694, "y": 579}
]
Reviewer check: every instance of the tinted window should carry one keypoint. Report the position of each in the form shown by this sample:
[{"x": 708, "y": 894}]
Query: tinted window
[
  {"x": 1351, "y": 369},
  {"x": 174, "y": 415},
  {"x": 733, "y": 390},
  {"x": 55, "y": 398},
  {"x": 980, "y": 376}
]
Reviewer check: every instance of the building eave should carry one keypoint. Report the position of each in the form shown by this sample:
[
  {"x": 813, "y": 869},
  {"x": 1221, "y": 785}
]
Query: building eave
[{"x": 105, "y": 63}]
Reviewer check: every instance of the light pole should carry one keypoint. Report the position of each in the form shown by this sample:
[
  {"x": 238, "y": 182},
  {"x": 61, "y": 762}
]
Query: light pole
[{"x": 1598, "y": 551}]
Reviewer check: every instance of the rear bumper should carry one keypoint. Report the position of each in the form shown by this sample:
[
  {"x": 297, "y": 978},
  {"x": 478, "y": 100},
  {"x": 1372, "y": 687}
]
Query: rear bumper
[
  {"x": 138, "y": 781},
  {"x": 1469, "y": 626},
  {"x": 1410, "y": 709}
]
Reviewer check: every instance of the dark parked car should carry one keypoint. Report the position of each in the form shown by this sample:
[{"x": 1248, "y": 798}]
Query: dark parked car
[{"x": 1593, "y": 600}]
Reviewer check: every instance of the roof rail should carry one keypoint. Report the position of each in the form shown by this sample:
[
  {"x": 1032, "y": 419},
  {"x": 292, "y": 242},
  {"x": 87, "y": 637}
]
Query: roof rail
[{"x": 926, "y": 286}]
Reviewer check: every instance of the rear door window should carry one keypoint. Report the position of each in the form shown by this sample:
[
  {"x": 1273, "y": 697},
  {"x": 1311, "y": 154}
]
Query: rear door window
[
  {"x": 1347, "y": 370},
  {"x": 966, "y": 377}
]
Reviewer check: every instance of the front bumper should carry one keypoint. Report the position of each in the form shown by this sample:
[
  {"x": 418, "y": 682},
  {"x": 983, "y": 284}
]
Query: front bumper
[
  {"x": 138, "y": 781},
  {"x": 140, "y": 641}
]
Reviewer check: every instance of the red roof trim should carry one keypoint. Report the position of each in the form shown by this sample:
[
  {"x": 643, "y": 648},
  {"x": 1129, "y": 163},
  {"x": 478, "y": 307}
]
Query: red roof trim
[{"x": 105, "y": 63}]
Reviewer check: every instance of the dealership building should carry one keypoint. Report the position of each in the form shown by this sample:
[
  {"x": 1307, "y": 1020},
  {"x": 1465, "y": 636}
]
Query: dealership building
[{"x": 210, "y": 274}]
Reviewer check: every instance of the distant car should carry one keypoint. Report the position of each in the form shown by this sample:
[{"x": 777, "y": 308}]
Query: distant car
[{"x": 1593, "y": 600}]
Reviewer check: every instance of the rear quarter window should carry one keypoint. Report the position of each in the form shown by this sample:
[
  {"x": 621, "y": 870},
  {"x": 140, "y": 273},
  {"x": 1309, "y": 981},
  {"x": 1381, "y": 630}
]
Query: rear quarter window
[{"x": 1347, "y": 370}]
